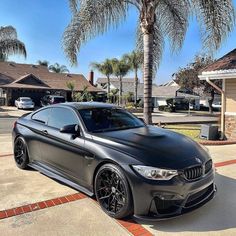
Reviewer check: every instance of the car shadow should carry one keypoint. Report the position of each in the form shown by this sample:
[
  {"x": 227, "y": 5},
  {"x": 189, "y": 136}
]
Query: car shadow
[{"x": 218, "y": 214}]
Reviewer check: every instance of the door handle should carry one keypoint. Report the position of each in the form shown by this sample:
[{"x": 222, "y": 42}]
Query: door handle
[{"x": 45, "y": 131}]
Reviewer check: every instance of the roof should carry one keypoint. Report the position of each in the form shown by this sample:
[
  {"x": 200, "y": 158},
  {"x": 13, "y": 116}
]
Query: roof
[
  {"x": 165, "y": 91},
  {"x": 13, "y": 75},
  {"x": 157, "y": 91},
  {"x": 87, "y": 105},
  {"x": 124, "y": 80},
  {"x": 227, "y": 62}
]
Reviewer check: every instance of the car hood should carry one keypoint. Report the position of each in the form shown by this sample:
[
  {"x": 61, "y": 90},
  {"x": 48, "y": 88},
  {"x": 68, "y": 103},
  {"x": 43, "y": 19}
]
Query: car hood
[{"x": 155, "y": 147}]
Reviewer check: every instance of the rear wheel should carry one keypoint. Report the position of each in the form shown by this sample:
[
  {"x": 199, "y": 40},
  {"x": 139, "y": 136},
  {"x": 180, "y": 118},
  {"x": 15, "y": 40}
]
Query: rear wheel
[
  {"x": 113, "y": 192},
  {"x": 20, "y": 153}
]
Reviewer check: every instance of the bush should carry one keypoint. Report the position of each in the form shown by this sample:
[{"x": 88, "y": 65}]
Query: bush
[
  {"x": 161, "y": 108},
  {"x": 166, "y": 108}
]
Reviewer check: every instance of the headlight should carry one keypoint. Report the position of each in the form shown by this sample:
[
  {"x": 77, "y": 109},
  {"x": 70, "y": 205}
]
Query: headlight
[{"x": 155, "y": 173}]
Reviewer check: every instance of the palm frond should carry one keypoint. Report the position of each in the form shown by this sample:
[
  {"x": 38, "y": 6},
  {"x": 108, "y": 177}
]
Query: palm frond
[
  {"x": 94, "y": 17},
  {"x": 216, "y": 18},
  {"x": 8, "y": 32},
  {"x": 173, "y": 16},
  {"x": 12, "y": 46},
  {"x": 73, "y": 6}
]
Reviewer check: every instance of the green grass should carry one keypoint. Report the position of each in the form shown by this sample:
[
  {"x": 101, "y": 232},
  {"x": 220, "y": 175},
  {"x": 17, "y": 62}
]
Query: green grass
[{"x": 188, "y": 130}]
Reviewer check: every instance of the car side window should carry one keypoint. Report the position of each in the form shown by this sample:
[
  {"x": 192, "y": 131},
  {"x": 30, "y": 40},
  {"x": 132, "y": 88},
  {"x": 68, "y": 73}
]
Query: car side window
[
  {"x": 60, "y": 117},
  {"x": 41, "y": 116}
]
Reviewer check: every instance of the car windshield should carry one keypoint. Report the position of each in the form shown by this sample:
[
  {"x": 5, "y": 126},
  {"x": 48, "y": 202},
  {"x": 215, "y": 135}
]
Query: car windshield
[
  {"x": 109, "y": 119},
  {"x": 26, "y": 100}
]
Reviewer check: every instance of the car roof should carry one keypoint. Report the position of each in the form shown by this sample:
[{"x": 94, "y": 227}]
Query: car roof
[
  {"x": 87, "y": 105},
  {"x": 24, "y": 97},
  {"x": 55, "y": 96}
]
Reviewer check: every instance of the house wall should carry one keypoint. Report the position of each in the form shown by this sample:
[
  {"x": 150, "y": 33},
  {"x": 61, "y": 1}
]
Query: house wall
[{"x": 230, "y": 109}]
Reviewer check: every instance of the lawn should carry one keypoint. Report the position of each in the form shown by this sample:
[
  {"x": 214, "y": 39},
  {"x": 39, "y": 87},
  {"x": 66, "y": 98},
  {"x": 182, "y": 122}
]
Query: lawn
[{"x": 192, "y": 131}]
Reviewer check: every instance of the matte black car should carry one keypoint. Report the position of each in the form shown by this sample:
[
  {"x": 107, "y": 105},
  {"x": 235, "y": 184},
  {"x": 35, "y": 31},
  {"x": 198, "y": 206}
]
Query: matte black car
[
  {"x": 103, "y": 150},
  {"x": 51, "y": 99}
]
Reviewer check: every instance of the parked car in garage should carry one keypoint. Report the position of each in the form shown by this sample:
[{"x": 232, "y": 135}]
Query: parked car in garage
[
  {"x": 51, "y": 99},
  {"x": 24, "y": 103},
  {"x": 102, "y": 150}
]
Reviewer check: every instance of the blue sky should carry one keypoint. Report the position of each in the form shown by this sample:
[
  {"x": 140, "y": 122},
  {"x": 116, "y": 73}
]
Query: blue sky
[{"x": 41, "y": 23}]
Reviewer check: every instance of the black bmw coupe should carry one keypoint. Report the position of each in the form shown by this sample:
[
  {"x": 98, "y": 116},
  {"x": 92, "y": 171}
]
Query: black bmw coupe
[{"x": 103, "y": 150}]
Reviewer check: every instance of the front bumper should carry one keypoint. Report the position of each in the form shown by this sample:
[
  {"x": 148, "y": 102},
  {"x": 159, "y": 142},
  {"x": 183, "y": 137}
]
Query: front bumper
[{"x": 167, "y": 199}]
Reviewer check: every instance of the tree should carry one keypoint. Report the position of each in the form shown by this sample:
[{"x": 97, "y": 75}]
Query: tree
[
  {"x": 134, "y": 60},
  {"x": 9, "y": 44},
  {"x": 71, "y": 86},
  {"x": 158, "y": 20},
  {"x": 43, "y": 63},
  {"x": 57, "y": 68},
  {"x": 120, "y": 69},
  {"x": 187, "y": 78},
  {"x": 84, "y": 96},
  {"x": 113, "y": 95},
  {"x": 106, "y": 69}
]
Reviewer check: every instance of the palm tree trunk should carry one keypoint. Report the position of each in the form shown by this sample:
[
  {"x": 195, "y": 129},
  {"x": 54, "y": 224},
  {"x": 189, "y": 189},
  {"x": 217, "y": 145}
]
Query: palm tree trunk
[
  {"x": 136, "y": 87},
  {"x": 108, "y": 88},
  {"x": 147, "y": 76},
  {"x": 120, "y": 91}
]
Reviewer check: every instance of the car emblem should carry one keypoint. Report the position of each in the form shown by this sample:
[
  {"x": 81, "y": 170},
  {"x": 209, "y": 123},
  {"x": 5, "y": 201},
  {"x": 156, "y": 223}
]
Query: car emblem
[{"x": 198, "y": 160}]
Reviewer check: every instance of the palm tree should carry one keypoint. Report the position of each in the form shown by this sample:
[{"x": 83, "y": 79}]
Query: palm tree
[
  {"x": 120, "y": 69},
  {"x": 43, "y": 63},
  {"x": 9, "y": 44},
  {"x": 134, "y": 60},
  {"x": 57, "y": 68},
  {"x": 71, "y": 86},
  {"x": 106, "y": 69},
  {"x": 158, "y": 20}
]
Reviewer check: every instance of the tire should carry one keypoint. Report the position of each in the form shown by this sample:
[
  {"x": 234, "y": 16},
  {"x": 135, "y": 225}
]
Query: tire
[
  {"x": 113, "y": 191},
  {"x": 20, "y": 153}
]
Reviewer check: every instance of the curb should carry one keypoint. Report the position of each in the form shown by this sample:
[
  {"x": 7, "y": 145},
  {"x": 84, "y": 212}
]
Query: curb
[
  {"x": 40, "y": 205},
  {"x": 130, "y": 225},
  {"x": 217, "y": 143}
]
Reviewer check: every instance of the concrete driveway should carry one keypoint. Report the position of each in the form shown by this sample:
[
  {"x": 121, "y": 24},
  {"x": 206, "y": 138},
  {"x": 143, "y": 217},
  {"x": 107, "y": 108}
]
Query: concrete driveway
[{"x": 33, "y": 204}]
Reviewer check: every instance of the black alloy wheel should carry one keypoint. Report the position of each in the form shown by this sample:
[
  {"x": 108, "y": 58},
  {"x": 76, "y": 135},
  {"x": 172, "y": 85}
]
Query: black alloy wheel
[
  {"x": 20, "y": 153},
  {"x": 113, "y": 192}
]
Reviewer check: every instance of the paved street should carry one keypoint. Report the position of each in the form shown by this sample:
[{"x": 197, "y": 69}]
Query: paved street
[{"x": 6, "y": 125}]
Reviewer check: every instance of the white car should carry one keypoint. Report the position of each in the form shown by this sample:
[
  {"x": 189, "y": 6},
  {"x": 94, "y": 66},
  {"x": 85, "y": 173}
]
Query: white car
[{"x": 24, "y": 103}]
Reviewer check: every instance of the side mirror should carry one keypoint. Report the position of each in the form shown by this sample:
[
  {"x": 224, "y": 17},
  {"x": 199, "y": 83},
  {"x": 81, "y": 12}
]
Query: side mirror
[{"x": 71, "y": 129}]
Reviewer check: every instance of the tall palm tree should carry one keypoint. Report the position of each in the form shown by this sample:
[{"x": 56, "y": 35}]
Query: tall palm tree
[
  {"x": 158, "y": 20},
  {"x": 120, "y": 69},
  {"x": 134, "y": 60},
  {"x": 57, "y": 68},
  {"x": 43, "y": 63},
  {"x": 9, "y": 44},
  {"x": 106, "y": 69}
]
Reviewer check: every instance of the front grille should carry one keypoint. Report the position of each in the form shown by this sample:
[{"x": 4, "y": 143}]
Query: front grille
[
  {"x": 208, "y": 166},
  {"x": 193, "y": 173}
]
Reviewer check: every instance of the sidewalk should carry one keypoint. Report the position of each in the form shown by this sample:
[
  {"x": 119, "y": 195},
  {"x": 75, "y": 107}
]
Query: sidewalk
[{"x": 9, "y": 111}]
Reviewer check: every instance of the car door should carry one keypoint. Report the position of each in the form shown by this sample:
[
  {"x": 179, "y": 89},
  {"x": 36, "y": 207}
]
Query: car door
[
  {"x": 38, "y": 126},
  {"x": 63, "y": 151}
]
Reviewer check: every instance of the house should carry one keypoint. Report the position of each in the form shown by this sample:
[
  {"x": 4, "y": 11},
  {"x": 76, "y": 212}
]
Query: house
[
  {"x": 159, "y": 93},
  {"x": 35, "y": 81},
  {"x": 225, "y": 69}
]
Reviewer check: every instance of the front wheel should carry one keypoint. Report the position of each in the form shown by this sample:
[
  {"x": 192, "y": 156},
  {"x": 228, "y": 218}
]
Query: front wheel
[
  {"x": 20, "y": 153},
  {"x": 113, "y": 192}
]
